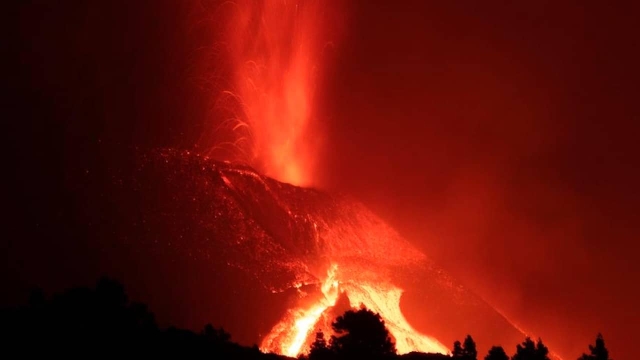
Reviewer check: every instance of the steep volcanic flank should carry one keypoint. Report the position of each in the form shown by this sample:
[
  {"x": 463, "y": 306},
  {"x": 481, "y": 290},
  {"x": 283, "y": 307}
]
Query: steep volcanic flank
[{"x": 279, "y": 257}]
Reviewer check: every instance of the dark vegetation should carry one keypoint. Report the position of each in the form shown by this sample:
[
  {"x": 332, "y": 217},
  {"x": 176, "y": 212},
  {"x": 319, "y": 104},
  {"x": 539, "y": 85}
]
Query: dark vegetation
[{"x": 84, "y": 322}]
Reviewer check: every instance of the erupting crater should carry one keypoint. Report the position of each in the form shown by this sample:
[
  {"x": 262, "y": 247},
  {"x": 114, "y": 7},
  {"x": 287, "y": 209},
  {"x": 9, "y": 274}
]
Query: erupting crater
[
  {"x": 316, "y": 247},
  {"x": 309, "y": 246}
]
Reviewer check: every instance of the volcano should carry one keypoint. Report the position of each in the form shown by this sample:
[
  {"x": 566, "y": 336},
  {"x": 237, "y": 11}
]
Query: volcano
[{"x": 270, "y": 261}]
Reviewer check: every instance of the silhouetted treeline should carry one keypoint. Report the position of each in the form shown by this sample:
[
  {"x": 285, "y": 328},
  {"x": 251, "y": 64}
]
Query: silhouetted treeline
[
  {"x": 84, "y": 322},
  {"x": 89, "y": 323},
  {"x": 362, "y": 334}
]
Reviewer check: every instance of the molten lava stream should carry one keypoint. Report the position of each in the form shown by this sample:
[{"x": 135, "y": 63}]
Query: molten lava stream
[
  {"x": 291, "y": 336},
  {"x": 292, "y": 332}
]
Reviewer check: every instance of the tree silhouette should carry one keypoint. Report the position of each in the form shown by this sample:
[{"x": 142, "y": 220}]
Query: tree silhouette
[
  {"x": 470, "y": 351},
  {"x": 496, "y": 353},
  {"x": 100, "y": 321},
  {"x": 598, "y": 351},
  {"x": 319, "y": 348},
  {"x": 456, "y": 353},
  {"x": 466, "y": 351},
  {"x": 529, "y": 350},
  {"x": 361, "y": 334},
  {"x": 104, "y": 320}
]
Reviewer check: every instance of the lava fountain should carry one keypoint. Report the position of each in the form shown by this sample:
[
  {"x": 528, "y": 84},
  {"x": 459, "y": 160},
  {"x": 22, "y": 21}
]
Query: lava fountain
[{"x": 275, "y": 49}]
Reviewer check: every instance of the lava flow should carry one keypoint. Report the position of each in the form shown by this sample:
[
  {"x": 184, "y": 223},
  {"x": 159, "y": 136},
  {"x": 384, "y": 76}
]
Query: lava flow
[{"x": 292, "y": 335}]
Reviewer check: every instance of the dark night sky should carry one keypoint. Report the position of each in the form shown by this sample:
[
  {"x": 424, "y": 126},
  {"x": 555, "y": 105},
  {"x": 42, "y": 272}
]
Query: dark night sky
[{"x": 499, "y": 138}]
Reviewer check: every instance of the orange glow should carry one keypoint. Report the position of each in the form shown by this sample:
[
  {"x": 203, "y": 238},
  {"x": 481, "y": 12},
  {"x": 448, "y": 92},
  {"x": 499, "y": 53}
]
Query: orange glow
[
  {"x": 384, "y": 299},
  {"x": 293, "y": 334},
  {"x": 274, "y": 47},
  {"x": 290, "y": 334}
]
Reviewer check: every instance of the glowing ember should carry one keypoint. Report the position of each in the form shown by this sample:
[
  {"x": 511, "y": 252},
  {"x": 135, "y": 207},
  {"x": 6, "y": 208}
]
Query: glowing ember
[{"x": 274, "y": 47}]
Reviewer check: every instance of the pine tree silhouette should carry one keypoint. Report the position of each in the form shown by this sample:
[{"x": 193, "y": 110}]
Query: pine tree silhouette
[
  {"x": 457, "y": 351},
  {"x": 466, "y": 351},
  {"x": 320, "y": 348},
  {"x": 361, "y": 334},
  {"x": 529, "y": 350},
  {"x": 496, "y": 353},
  {"x": 598, "y": 351}
]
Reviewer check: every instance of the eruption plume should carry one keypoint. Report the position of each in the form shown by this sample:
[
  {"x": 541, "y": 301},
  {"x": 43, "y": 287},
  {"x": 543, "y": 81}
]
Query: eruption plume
[
  {"x": 300, "y": 237},
  {"x": 274, "y": 48}
]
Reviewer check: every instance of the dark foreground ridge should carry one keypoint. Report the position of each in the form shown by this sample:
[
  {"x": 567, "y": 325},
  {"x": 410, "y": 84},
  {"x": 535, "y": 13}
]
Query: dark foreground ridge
[
  {"x": 96, "y": 322},
  {"x": 90, "y": 322}
]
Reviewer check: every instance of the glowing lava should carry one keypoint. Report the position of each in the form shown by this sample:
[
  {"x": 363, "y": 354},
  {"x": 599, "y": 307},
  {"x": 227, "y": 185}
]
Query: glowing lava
[
  {"x": 384, "y": 299},
  {"x": 292, "y": 335},
  {"x": 274, "y": 47}
]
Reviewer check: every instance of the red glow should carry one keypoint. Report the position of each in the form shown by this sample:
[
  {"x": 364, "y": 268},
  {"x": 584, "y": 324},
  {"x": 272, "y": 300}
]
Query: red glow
[
  {"x": 274, "y": 48},
  {"x": 292, "y": 335}
]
